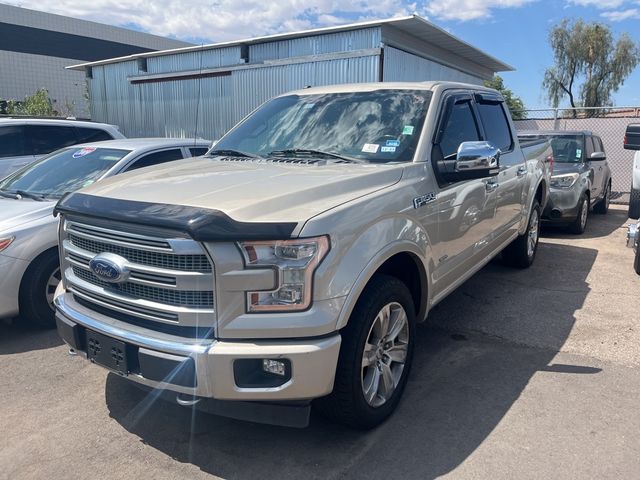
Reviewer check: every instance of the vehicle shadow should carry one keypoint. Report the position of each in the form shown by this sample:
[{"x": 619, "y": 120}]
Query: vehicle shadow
[
  {"x": 461, "y": 386},
  {"x": 597, "y": 225},
  {"x": 18, "y": 336}
]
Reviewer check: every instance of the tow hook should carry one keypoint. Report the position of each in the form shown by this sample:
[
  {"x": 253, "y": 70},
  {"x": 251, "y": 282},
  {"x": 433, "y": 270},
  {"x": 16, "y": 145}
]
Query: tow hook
[{"x": 185, "y": 401}]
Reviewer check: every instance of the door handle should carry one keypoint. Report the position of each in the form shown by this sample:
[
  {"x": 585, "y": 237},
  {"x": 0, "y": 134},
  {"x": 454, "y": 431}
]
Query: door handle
[
  {"x": 522, "y": 171},
  {"x": 491, "y": 186}
]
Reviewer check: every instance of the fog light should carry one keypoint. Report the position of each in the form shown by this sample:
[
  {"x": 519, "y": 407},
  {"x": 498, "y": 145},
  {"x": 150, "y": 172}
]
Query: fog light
[{"x": 274, "y": 366}]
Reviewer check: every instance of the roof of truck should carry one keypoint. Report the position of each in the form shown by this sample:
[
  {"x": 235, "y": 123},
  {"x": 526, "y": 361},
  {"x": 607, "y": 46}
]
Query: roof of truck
[
  {"x": 367, "y": 87},
  {"x": 556, "y": 132}
]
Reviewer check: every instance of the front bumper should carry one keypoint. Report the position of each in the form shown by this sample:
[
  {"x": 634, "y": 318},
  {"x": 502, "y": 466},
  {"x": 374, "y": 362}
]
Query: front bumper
[
  {"x": 562, "y": 206},
  {"x": 11, "y": 273},
  {"x": 205, "y": 368}
]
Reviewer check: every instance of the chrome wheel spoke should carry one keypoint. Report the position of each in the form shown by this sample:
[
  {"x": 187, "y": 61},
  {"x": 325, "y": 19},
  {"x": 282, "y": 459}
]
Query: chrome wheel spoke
[
  {"x": 387, "y": 386},
  {"x": 397, "y": 353},
  {"x": 51, "y": 286},
  {"x": 397, "y": 324},
  {"x": 371, "y": 389},
  {"x": 369, "y": 355}
]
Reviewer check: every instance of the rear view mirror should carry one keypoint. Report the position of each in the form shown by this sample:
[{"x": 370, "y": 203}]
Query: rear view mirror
[
  {"x": 597, "y": 156},
  {"x": 632, "y": 137},
  {"x": 473, "y": 160}
]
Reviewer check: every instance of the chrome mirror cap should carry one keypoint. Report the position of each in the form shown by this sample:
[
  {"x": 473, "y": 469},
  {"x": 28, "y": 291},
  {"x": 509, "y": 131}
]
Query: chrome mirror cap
[{"x": 477, "y": 156}]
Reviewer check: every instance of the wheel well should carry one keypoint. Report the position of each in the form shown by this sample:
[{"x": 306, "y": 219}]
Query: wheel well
[
  {"x": 406, "y": 268},
  {"x": 32, "y": 265},
  {"x": 540, "y": 193}
]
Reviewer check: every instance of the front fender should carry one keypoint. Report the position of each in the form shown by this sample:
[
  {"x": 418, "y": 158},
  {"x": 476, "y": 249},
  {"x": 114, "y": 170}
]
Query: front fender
[{"x": 357, "y": 261}]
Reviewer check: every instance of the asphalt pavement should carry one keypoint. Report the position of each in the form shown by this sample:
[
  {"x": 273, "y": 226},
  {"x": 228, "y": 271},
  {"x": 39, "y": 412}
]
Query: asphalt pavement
[{"x": 518, "y": 374}]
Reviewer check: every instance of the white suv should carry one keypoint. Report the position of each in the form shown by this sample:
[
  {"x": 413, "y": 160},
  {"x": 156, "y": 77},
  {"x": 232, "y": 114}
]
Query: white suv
[{"x": 23, "y": 140}]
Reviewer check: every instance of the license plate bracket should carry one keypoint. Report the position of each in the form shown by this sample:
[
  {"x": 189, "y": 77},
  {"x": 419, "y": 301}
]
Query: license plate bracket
[{"x": 107, "y": 352}]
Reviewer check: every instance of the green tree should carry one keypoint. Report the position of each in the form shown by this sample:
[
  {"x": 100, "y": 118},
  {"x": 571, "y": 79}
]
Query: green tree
[
  {"x": 589, "y": 66},
  {"x": 38, "y": 104},
  {"x": 513, "y": 101}
]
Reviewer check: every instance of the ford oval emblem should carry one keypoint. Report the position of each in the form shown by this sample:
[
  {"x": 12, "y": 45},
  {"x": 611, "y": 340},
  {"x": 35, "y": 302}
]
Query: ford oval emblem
[{"x": 109, "y": 267}]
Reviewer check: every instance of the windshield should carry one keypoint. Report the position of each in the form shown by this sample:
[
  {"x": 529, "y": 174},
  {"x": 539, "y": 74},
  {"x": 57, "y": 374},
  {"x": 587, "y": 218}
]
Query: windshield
[
  {"x": 566, "y": 148},
  {"x": 376, "y": 126},
  {"x": 63, "y": 171}
]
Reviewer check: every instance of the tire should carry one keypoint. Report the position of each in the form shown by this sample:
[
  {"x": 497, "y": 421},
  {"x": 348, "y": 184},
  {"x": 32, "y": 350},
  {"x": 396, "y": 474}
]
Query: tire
[
  {"x": 636, "y": 262},
  {"x": 602, "y": 207},
  {"x": 37, "y": 288},
  {"x": 347, "y": 404},
  {"x": 634, "y": 204},
  {"x": 522, "y": 251},
  {"x": 580, "y": 223}
]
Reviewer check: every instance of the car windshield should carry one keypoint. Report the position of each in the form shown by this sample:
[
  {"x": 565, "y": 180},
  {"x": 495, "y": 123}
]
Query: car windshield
[
  {"x": 566, "y": 148},
  {"x": 63, "y": 171},
  {"x": 375, "y": 126}
]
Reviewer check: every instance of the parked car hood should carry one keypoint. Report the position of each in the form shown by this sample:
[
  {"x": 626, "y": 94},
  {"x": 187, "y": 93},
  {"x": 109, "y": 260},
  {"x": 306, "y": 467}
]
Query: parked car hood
[
  {"x": 251, "y": 190},
  {"x": 14, "y": 213},
  {"x": 560, "y": 168}
]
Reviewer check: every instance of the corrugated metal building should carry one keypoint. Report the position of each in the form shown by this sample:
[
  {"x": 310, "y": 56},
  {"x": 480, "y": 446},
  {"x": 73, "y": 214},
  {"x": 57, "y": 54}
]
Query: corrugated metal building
[
  {"x": 210, "y": 88},
  {"x": 35, "y": 48}
]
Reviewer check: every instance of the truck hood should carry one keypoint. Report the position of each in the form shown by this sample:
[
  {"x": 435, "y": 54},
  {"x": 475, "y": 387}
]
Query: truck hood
[
  {"x": 14, "y": 213},
  {"x": 251, "y": 190}
]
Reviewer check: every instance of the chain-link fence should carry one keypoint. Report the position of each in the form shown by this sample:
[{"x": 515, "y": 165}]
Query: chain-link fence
[{"x": 609, "y": 123}]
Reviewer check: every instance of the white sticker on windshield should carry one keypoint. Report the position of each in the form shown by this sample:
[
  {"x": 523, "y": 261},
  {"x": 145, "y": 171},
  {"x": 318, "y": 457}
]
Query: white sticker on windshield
[
  {"x": 408, "y": 130},
  {"x": 84, "y": 151},
  {"x": 370, "y": 148},
  {"x": 388, "y": 149},
  {"x": 578, "y": 153},
  {"x": 309, "y": 105},
  {"x": 87, "y": 183}
]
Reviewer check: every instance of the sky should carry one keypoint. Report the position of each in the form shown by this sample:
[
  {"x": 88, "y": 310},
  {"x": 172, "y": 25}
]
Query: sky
[{"x": 514, "y": 31}]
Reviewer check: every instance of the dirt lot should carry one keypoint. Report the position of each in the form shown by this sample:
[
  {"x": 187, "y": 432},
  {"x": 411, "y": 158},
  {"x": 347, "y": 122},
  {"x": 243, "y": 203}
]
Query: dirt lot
[{"x": 519, "y": 374}]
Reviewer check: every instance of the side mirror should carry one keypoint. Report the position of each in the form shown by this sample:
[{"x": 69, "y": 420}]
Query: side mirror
[
  {"x": 474, "y": 160},
  {"x": 597, "y": 157}
]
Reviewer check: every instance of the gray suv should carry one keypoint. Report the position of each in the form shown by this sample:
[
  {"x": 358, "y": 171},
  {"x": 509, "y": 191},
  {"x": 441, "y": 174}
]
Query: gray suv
[
  {"x": 23, "y": 140},
  {"x": 581, "y": 178}
]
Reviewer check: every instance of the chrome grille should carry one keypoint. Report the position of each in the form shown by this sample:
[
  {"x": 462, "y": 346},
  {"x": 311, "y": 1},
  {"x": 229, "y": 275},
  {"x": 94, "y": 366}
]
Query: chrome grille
[
  {"x": 170, "y": 280},
  {"x": 187, "y": 263},
  {"x": 180, "y": 298}
]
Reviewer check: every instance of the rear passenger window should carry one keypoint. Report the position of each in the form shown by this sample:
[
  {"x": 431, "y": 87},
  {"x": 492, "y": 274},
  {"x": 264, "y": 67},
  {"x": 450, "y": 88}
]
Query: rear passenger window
[
  {"x": 198, "y": 151},
  {"x": 496, "y": 126},
  {"x": 461, "y": 127},
  {"x": 86, "y": 135},
  {"x": 47, "y": 138},
  {"x": 12, "y": 142},
  {"x": 157, "y": 158}
]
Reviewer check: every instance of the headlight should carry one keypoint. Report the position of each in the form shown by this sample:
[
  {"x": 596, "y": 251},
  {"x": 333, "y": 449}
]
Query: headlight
[
  {"x": 566, "y": 180},
  {"x": 294, "y": 261},
  {"x": 5, "y": 242}
]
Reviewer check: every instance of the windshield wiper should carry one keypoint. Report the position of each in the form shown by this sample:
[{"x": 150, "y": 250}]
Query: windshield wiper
[
  {"x": 8, "y": 194},
  {"x": 38, "y": 197},
  {"x": 305, "y": 152},
  {"x": 232, "y": 153}
]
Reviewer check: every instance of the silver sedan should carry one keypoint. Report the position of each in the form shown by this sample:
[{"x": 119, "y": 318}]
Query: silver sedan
[{"x": 28, "y": 231}]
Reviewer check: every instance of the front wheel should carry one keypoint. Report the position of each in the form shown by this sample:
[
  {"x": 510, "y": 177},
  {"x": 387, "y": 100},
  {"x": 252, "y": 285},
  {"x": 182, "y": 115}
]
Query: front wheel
[
  {"x": 634, "y": 203},
  {"x": 375, "y": 356},
  {"x": 636, "y": 263},
  {"x": 580, "y": 223},
  {"x": 522, "y": 251},
  {"x": 38, "y": 286}
]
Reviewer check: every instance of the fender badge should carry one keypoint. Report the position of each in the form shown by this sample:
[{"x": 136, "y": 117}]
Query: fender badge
[{"x": 424, "y": 199}]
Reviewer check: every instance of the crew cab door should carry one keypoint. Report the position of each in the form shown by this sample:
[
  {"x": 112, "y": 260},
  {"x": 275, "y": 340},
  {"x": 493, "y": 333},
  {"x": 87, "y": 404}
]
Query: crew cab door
[
  {"x": 466, "y": 209},
  {"x": 513, "y": 169}
]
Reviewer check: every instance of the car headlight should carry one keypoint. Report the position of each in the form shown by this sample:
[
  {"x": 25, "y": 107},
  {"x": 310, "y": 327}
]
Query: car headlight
[
  {"x": 566, "y": 180},
  {"x": 5, "y": 242},
  {"x": 295, "y": 261}
]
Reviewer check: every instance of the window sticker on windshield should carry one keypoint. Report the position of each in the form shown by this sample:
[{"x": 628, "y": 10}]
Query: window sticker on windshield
[
  {"x": 370, "y": 148},
  {"x": 407, "y": 130},
  {"x": 393, "y": 143},
  {"x": 578, "y": 153},
  {"x": 84, "y": 151},
  {"x": 87, "y": 183},
  {"x": 388, "y": 149},
  {"x": 309, "y": 105}
]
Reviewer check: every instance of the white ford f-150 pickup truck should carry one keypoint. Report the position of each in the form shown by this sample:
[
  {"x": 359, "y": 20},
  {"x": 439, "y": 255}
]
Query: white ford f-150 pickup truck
[{"x": 293, "y": 261}]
